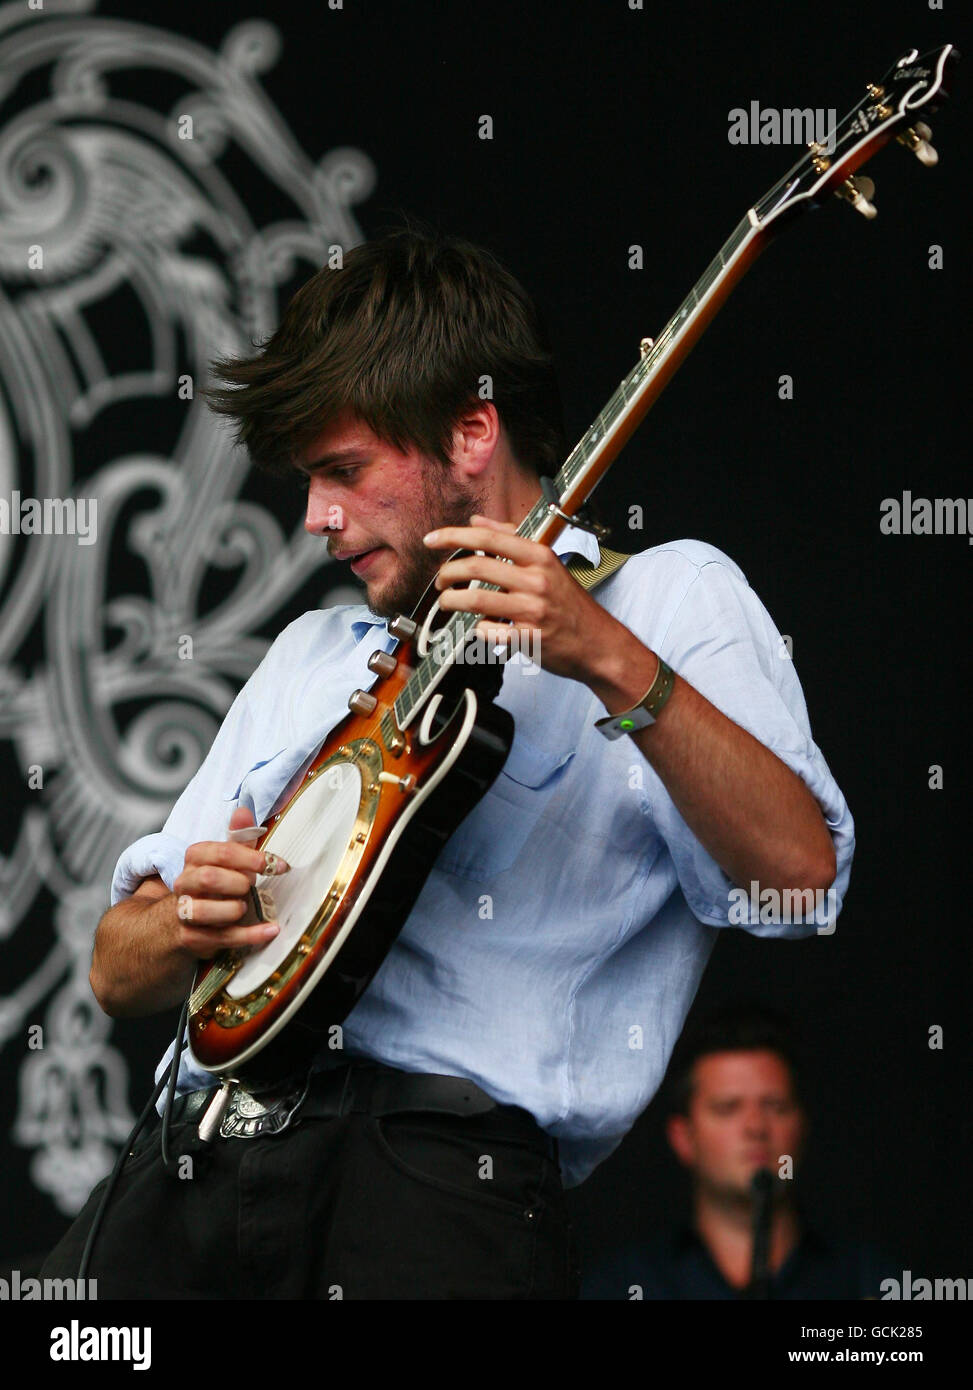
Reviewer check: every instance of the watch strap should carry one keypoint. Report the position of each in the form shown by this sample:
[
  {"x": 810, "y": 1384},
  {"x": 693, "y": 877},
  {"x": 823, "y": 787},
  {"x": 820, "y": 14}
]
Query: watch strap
[{"x": 647, "y": 710}]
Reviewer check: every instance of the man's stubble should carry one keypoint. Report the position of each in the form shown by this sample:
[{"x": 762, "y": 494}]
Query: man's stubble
[{"x": 445, "y": 502}]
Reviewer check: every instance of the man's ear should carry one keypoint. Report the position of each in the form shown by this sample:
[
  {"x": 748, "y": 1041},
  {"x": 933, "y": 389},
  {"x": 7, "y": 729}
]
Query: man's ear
[
  {"x": 476, "y": 435},
  {"x": 679, "y": 1134}
]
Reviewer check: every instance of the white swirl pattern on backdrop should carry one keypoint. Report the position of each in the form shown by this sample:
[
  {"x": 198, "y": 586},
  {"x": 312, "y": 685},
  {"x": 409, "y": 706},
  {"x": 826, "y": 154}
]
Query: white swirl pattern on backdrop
[{"x": 121, "y": 204}]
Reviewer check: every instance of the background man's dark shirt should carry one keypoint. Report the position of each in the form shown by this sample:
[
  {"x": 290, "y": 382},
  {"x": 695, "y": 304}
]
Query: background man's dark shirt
[{"x": 677, "y": 1265}]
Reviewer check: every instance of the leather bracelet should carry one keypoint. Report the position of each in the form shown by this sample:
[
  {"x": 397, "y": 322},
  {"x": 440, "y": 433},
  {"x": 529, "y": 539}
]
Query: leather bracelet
[{"x": 647, "y": 710}]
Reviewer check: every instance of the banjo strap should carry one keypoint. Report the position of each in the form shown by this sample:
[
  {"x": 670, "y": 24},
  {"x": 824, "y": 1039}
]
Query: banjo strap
[{"x": 588, "y": 575}]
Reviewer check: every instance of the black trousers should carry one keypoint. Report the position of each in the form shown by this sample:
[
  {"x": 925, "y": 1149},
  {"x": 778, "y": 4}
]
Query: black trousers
[{"x": 355, "y": 1206}]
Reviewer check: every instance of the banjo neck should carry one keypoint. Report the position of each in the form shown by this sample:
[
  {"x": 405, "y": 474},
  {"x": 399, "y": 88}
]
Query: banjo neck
[{"x": 910, "y": 88}]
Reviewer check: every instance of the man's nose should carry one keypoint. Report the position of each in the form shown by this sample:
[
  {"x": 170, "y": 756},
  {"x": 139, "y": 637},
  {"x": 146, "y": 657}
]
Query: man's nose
[
  {"x": 756, "y": 1119},
  {"x": 323, "y": 513}
]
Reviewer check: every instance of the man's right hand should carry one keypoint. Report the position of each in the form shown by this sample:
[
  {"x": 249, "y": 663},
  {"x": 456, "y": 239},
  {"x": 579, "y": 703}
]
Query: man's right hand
[
  {"x": 147, "y": 947},
  {"x": 213, "y": 893}
]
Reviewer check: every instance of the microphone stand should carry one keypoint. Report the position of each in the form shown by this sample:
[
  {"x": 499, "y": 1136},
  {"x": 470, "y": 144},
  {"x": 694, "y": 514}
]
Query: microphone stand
[{"x": 761, "y": 1187}]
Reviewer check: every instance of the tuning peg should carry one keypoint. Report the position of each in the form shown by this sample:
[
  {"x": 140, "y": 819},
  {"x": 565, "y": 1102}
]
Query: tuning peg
[
  {"x": 384, "y": 663},
  {"x": 859, "y": 191},
  {"x": 916, "y": 139},
  {"x": 360, "y": 702},
  {"x": 402, "y": 627}
]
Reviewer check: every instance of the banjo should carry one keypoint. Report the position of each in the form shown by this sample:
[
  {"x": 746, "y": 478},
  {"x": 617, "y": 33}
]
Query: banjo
[{"x": 419, "y": 749}]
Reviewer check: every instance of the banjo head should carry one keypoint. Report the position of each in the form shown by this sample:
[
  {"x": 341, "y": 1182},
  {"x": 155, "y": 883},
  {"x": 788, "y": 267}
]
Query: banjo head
[
  {"x": 315, "y": 836},
  {"x": 322, "y": 833}
]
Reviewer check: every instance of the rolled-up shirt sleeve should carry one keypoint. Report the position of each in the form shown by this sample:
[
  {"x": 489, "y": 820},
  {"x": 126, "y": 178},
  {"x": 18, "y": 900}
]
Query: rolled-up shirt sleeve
[
  {"x": 160, "y": 854},
  {"x": 202, "y": 811},
  {"x": 722, "y": 640}
]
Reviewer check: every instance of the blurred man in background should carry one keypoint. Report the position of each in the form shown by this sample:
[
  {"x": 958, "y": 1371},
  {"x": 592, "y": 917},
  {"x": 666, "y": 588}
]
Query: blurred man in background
[{"x": 735, "y": 1111}]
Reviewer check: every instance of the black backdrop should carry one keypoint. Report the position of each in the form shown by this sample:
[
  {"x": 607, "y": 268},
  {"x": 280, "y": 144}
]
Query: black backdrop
[{"x": 611, "y": 129}]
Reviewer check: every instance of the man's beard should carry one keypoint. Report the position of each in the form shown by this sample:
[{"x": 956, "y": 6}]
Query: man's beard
[{"x": 444, "y": 503}]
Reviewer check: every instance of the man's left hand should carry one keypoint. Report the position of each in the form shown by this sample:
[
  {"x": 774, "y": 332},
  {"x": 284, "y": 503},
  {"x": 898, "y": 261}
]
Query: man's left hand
[{"x": 565, "y": 630}]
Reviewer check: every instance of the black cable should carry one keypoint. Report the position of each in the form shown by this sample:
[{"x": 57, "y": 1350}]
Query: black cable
[
  {"x": 170, "y": 1075},
  {"x": 170, "y": 1094}
]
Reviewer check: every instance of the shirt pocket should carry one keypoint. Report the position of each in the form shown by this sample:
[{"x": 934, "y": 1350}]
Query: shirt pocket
[{"x": 491, "y": 838}]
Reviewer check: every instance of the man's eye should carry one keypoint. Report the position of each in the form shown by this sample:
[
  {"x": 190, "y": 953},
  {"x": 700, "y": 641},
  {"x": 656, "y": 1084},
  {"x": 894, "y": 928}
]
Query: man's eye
[{"x": 347, "y": 471}]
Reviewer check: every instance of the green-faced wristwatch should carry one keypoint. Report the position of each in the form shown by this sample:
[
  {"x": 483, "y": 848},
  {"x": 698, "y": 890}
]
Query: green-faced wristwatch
[{"x": 647, "y": 710}]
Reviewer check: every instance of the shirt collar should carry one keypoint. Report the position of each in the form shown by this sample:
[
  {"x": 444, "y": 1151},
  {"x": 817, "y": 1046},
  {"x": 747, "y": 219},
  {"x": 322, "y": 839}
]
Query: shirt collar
[{"x": 571, "y": 541}]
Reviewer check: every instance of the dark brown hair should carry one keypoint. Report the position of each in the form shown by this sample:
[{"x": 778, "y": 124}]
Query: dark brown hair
[
  {"x": 746, "y": 1027},
  {"x": 402, "y": 335}
]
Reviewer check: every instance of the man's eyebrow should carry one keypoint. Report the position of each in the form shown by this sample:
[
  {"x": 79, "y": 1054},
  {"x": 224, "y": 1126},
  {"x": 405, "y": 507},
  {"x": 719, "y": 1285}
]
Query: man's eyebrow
[{"x": 326, "y": 460}]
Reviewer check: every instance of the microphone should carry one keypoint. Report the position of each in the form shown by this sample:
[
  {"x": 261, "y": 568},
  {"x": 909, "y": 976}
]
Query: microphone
[{"x": 761, "y": 1188}]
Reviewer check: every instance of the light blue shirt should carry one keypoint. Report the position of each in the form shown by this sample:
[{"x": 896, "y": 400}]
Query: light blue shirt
[{"x": 560, "y": 937}]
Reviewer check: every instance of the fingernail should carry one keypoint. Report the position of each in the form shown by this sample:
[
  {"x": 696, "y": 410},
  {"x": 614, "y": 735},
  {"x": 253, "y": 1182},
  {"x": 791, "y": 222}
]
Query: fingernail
[
  {"x": 431, "y": 537},
  {"x": 270, "y": 930}
]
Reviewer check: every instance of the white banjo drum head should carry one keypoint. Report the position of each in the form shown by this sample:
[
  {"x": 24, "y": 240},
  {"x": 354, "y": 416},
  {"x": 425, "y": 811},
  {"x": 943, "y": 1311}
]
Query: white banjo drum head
[{"x": 314, "y": 836}]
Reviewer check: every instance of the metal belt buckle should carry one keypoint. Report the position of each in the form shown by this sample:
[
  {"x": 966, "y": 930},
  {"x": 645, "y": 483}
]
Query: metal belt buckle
[{"x": 247, "y": 1117}]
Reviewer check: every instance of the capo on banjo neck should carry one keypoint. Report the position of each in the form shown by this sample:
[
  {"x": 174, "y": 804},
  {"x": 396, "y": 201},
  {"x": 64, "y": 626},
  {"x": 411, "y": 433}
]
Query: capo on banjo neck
[{"x": 599, "y": 531}]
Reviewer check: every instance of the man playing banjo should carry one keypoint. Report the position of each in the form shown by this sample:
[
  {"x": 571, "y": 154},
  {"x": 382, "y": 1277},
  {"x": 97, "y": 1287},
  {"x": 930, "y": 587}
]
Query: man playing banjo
[{"x": 525, "y": 1014}]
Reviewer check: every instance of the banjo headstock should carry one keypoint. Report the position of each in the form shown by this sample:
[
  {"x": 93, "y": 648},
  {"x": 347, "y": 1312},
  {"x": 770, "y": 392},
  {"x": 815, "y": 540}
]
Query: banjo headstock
[{"x": 894, "y": 107}]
